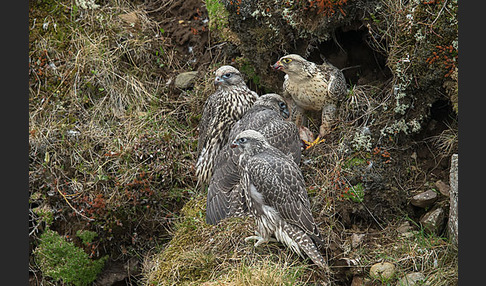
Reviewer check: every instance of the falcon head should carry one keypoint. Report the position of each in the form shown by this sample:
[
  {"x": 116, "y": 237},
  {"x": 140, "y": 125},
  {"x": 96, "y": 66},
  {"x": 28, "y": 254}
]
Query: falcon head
[
  {"x": 292, "y": 63},
  {"x": 250, "y": 141},
  {"x": 227, "y": 76},
  {"x": 275, "y": 102}
]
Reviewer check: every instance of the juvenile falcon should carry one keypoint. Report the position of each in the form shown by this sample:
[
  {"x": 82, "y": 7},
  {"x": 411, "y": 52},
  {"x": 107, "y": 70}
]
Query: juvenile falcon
[
  {"x": 275, "y": 193},
  {"x": 221, "y": 111},
  {"x": 312, "y": 87},
  {"x": 267, "y": 116}
]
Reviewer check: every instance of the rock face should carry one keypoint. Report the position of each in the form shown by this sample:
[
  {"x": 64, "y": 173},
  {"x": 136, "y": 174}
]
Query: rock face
[
  {"x": 452, "y": 224},
  {"x": 425, "y": 199},
  {"x": 382, "y": 270}
]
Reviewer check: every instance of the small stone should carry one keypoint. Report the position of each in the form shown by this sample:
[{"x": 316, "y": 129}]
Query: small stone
[
  {"x": 357, "y": 281},
  {"x": 425, "y": 199},
  {"x": 404, "y": 227},
  {"x": 411, "y": 279},
  {"x": 433, "y": 221},
  {"x": 356, "y": 239},
  {"x": 443, "y": 188},
  {"x": 130, "y": 18},
  {"x": 185, "y": 80},
  {"x": 382, "y": 270}
]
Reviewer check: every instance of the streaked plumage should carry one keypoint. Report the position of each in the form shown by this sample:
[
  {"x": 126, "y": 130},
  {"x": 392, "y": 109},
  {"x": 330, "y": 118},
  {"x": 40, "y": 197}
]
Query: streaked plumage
[
  {"x": 312, "y": 87},
  {"x": 275, "y": 192},
  {"x": 222, "y": 110},
  {"x": 267, "y": 116}
]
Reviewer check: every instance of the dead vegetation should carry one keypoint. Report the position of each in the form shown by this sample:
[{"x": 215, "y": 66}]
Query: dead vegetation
[{"x": 112, "y": 146}]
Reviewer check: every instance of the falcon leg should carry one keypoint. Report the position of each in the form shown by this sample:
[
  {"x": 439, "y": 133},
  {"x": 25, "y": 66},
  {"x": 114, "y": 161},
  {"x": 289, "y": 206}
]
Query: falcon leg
[
  {"x": 327, "y": 118},
  {"x": 297, "y": 114},
  {"x": 259, "y": 239}
]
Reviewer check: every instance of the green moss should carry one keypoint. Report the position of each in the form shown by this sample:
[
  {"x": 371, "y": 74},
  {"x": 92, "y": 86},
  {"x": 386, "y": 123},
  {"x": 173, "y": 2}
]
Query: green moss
[
  {"x": 86, "y": 236},
  {"x": 62, "y": 260},
  {"x": 218, "y": 16}
]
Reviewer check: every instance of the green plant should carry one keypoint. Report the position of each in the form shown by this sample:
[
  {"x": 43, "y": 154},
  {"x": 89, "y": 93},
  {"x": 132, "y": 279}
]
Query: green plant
[
  {"x": 86, "y": 236},
  {"x": 218, "y": 16},
  {"x": 62, "y": 260},
  {"x": 247, "y": 68},
  {"x": 355, "y": 193}
]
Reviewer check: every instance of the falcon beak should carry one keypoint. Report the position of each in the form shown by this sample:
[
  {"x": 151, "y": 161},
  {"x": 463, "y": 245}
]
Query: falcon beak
[
  {"x": 218, "y": 81},
  {"x": 234, "y": 144},
  {"x": 286, "y": 113},
  {"x": 277, "y": 66}
]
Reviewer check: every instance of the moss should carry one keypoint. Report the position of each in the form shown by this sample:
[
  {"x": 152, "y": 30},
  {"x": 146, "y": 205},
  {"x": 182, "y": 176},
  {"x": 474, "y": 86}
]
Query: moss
[{"x": 62, "y": 260}]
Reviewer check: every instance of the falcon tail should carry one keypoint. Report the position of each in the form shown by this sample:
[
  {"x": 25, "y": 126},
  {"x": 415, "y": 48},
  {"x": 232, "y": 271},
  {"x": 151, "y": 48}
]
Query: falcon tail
[{"x": 305, "y": 243}]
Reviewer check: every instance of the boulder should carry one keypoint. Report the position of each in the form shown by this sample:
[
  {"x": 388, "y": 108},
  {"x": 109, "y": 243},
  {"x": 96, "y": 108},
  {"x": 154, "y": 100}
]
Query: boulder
[{"x": 425, "y": 199}]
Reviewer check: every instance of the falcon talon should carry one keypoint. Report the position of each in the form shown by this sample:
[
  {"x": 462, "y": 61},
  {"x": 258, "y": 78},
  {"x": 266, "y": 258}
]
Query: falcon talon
[{"x": 309, "y": 145}]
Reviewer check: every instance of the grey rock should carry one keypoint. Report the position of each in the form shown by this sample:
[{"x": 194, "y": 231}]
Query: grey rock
[
  {"x": 452, "y": 224},
  {"x": 185, "y": 80},
  {"x": 443, "y": 188},
  {"x": 433, "y": 221},
  {"x": 425, "y": 199},
  {"x": 411, "y": 279},
  {"x": 406, "y": 230},
  {"x": 382, "y": 270}
]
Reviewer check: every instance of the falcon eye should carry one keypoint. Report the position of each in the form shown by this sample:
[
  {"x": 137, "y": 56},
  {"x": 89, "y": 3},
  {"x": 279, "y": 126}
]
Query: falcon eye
[
  {"x": 282, "y": 105},
  {"x": 242, "y": 140},
  {"x": 286, "y": 61},
  {"x": 227, "y": 75}
]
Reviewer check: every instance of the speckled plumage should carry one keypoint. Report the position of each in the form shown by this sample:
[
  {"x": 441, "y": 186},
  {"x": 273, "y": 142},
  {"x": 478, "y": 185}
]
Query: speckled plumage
[
  {"x": 312, "y": 87},
  {"x": 222, "y": 110},
  {"x": 267, "y": 116},
  {"x": 275, "y": 193}
]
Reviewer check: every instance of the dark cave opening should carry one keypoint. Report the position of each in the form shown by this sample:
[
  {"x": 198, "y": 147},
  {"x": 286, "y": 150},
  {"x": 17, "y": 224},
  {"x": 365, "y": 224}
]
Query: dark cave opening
[{"x": 349, "y": 50}]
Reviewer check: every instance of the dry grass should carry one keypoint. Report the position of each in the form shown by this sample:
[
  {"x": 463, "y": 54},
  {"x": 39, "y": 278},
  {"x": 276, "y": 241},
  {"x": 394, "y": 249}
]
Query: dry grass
[
  {"x": 201, "y": 254},
  {"x": 109, "y": 149}
]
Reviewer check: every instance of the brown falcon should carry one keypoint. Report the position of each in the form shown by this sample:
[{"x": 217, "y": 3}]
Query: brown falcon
[
  {"x": 267, "y": 116},
  {"x": 312, "y": 87},
  {"x": 275, "y": 193},
  {"x": 221, "y": 110}
]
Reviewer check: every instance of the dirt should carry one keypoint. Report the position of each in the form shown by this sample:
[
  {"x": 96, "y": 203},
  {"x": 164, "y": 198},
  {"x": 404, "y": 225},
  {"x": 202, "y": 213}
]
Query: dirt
[{"x": 186, "y": 23}]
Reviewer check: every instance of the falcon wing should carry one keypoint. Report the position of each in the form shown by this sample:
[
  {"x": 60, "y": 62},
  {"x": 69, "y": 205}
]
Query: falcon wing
[
  {"x": 283, "y": 135},
  {"x": 207, "y": 117},
  {"x": 281, "y": 185}
]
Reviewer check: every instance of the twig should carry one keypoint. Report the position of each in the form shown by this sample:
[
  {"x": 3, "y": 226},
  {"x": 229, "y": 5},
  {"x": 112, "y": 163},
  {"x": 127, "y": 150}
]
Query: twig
[{"x": 75, "y": 210}]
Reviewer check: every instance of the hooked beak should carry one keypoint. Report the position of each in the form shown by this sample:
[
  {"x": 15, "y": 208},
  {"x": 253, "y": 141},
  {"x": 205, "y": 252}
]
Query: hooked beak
[
  {"x": 277, "y": 66},
  {"x": 218, "y": 81},
  {"x": 286, "y": 113},
  {"x": 234, "y": 144}
]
